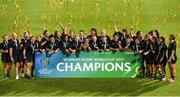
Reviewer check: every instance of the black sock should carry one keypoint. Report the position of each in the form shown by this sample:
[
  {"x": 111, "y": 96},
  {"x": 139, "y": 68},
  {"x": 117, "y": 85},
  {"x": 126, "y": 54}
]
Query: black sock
[
  {"x": 173, "y": 77},
  {"x": 8, "y": 74},
  {"x": 22, "y": 71},
  {"x": 154, "y": 74},
  {"x": 32, "y": 71},
  {"x": 151, "y": 75}
]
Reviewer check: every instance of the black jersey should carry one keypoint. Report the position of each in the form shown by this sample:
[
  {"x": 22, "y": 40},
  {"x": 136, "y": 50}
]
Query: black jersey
[
  {"x": 137, "y": 47},
  {"x": 156, "y": 46},
  {"x": 123, "y": 41},
  {"x": 23, "y": 44},
  {"x": 122, "y": 38},
  {"x": 151, "y": 56},
  {"x": 43, "y": 40},
  {"x": 108, "y": 38},
  {"x": 147, "y": 45},
  {"x": 162, "y": 50},
  {"x": 129, "y": 46},
  {"x": 171, "y": 47},
  {"x": 142, "y": 43},
  {"x": 114, "y": 44},
  {"x": 91, "y": 38},
  {"x": 15, "y": 45},
  {"x": 94, "y": 45},
  {"x": 38, "y": 45},
  {"x": 74, "y": 44},
  {"x": 57, "y": 39},
  {"x": 4, "y": 46},
  {"x": 31, "y": 48},
  {"x": 104, "y": 45},
  {"x": 81, "y": 39},
  {"x": 65, "y": 45},
  {"x": 153, "y": 47},
  {"x": 5, "y": 55},
  {"x": 52, "y": 46},
  {"x": 71, "y": 39},
  {"x": 24, "y": 41},
  {"x": 162, "y": 54}
]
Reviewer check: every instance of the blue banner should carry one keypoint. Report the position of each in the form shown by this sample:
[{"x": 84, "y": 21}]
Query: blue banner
[{"x": 92, "y": 64}]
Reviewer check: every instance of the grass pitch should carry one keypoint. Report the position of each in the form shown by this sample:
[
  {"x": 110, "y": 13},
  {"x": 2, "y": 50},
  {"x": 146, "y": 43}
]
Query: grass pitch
[{"x": 37, "y": 15}]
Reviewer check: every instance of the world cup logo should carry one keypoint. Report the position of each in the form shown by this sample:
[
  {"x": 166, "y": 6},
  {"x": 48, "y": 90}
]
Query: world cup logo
[{"x": 45, "y": 62}]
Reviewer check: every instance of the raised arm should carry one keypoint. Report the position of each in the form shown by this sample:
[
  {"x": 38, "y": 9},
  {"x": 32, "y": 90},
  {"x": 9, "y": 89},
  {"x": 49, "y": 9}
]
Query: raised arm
[
  {"x": 115, "y": 27},
  {"x": 64, "y": 28}
]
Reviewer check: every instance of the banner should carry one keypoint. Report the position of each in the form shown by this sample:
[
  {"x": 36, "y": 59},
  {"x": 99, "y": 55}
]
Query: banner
[{"x": 94, "y": 64}]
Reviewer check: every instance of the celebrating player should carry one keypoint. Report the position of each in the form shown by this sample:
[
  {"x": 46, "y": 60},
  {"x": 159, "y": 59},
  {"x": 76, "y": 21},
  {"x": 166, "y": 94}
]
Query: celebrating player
[
  {"x": 161, "y": 57},
  {"x": 115, "y": 44},
  {"x": 172, "y": 58},
  {"x": 4, "y": 47},
  {"x": 14, "y": 51}
]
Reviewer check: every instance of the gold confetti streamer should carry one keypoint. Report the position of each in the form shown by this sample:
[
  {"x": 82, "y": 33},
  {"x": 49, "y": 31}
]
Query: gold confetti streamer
[{"x": 21, "y": 22}]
